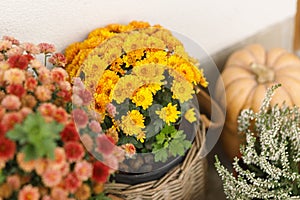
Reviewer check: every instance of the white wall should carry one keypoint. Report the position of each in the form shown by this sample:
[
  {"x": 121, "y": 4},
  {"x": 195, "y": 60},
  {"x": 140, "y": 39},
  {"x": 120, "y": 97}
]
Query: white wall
[{"x": 214, "y": 24}]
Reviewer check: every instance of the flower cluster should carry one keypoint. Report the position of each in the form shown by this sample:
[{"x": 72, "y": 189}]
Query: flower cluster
[
  {"x": 270, "y": 162},
  {"x": 41, "y": 155},
  {"x": 143, "y": 84}
]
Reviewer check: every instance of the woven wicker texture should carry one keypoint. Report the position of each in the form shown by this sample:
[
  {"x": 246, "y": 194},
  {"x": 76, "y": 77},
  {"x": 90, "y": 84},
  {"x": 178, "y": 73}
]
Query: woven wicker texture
[{"x": 185, "y": 181}]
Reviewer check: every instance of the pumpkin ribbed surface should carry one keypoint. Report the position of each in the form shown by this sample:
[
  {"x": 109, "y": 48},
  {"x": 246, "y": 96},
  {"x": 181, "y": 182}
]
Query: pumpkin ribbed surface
[{"x": 247, "y": 75}]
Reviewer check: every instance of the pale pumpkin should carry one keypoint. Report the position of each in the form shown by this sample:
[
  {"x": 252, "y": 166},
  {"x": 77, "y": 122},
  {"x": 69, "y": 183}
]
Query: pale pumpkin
[{"x": 246, "y": 76}]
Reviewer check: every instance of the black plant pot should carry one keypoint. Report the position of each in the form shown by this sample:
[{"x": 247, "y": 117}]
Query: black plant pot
[
  {"x": 160, "y": 170},
  {"x": 148, "y": 170}
]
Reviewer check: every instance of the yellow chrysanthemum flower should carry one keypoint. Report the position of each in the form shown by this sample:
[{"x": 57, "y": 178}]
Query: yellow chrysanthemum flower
[
  {"x": 139, "y": 24},
  {"x": 150, "y": 73},
  {"x": 174, "y": 61},
  {"x": 153, "y": 42},
  {"x": 125, "y": 87},
  {"x": 186, "y": 70},
  {"x": 135, "y": 41},
  {"x": 156, "y": 56},
  {"x": 154, "y": 87},
  {"x": 169, "y": 114},
  {"x": 132, "y": 123},
  {"x": 143, "y": 97},
  {"x": 109, "y": 76},
  {"x": 112, "y": 132},
  {"x": 190, "y": 115},
  {"x": 182, "y": 90},
  {"x": 141, "y": 136},
  {"x": 101, "y": 100},
  {"x": 112, "y": 54},
  {"x": 132, "y": 57}
]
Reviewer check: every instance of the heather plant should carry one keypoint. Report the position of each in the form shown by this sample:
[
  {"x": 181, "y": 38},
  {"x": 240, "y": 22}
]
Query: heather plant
[{"x": 268, "y": 167}]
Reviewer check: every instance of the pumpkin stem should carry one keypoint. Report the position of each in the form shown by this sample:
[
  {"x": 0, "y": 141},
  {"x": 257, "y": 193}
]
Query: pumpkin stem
[{"x": 263, "y": 73}]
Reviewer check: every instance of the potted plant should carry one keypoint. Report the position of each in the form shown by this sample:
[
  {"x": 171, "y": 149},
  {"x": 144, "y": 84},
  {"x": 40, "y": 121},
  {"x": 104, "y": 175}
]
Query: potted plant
[
  {"x": 144, "y": 86},
  {"x": 268, "y": 167},
  {"x": 41, "y": 155}
]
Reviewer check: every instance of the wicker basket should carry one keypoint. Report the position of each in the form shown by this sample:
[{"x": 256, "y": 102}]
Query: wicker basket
[{"x": 185, "y": 181}]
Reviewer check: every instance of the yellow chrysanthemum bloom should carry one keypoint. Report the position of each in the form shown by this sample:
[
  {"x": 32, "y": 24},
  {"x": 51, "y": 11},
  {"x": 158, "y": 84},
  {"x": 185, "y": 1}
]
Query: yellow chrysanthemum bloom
[
  {"x": 153, "y": 42},
  {"x": 141, "y": 136},
  {"x": 132, "y": 57},
  {"x": 190, "y": 115},
  {"x": 154, "y": 87},
  {"x": 112, "y": 132},
  {"x": 169, "y": 114},
  {"x": 182, "y": 90},
  {"x": 125, "y": 87},
  {"x": 139, "y": 24},
  {"x": 186, "y": 70},
  {"x": 156, "y": 56},
  {"x": 109, "y": 76},
  {"x": 143, "y": 97},
  {"x": 174, "y": 61},
  {"x": 112, "y": 54},
  {"x": 71, "y": 51},
  {"x": 107, "y": 83},
  {"x": 150, "y": 73},
  {"x": 132, "y": 123},
  {"x": 101, "y": 100},
  {"x": 135, "y": 41}
]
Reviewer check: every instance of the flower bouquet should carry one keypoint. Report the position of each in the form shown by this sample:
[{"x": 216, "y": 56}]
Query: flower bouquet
[
  {"x": 269, "y": 165},
  {"x": 41, "y": 155},
  {"x": 143, "y": 85}
]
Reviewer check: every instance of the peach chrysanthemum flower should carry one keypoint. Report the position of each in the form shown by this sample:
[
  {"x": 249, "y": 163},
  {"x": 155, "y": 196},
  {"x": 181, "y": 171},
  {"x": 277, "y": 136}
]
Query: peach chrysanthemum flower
[
  {"x": 30, "y": 48},
  {"x": 59, "y": 158},
  {"x": 11, "y": 102},
  {"x": 47, "y": 109},
  {"x": 83, "y": 170},
  {"x": 83, "y": 193},
  {"x": 46, "y": 48},
  {"x": 14, "y": 181},
  {"x": 14, "y": 76},
  {"x": 44, "y": 75},
  {"x": 5, "y": 45},
  {"x": 41, "y": 166},
  {"x": 29, "y": 193},
  {"x": 58, "y": 75},
  {"x": 14, "y": 51},
  {"x": 42, "y": 93},
  {"x": 58, "y": 193},
  {"x": 51, "y": 177},
  {"x": 60, "y": 115},
  {"x": 65, "y": 169},
  {"x": 27, "y": 166},
  {"x": 129, "y": 149},
  {"x": 10, "y": 119}
]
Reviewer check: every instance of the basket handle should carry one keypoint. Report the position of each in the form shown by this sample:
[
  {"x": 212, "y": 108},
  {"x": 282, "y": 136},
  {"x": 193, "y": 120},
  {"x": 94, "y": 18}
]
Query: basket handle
[
  {"x": 297, "y": 30},
  {"x": 206, "y": 104}
]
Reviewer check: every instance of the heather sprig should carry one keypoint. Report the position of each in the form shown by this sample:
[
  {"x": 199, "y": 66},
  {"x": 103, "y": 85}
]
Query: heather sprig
[{"x": 269, "y": 164}]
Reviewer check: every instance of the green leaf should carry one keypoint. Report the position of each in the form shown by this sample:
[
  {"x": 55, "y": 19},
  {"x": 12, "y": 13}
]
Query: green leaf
[
  {"x": 36, "y": 137},
  {"x": 154, "y": 128},
  {"x": 16, "y": 133},
  {"x": 2, "y": 177},
  {"x": 160, "y": 138},
  {"x": 160, "y": 155},
  {"x": 176, "y": 148},
  {"x": 30, "y": 152},
  {"x": 100, "y": 196}
]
